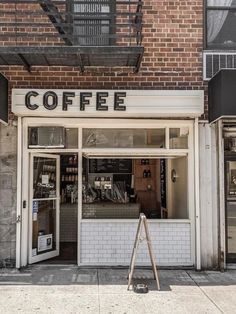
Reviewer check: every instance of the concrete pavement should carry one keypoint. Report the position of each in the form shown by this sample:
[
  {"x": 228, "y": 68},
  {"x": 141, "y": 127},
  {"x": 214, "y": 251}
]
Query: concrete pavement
[{"x": 69, "y": 289}]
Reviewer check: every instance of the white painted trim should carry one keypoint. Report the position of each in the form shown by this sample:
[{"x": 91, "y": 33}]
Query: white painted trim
[
  {"x": 152, "y": 221},
  {"x": 191, "y": 192},
  {"x": 138, "y": 264},
  {"x": 222, "y": 250},
  {"x": 52, "y": 150},
  {"x": 25, "y": 196},
  {"x": 136, "y": 152},
  {"x": 197, "y": 201},
  {"x": 107, "y": 123},
  {"x": 79, "y": 212},
  {"x": 18, "y": 195}
]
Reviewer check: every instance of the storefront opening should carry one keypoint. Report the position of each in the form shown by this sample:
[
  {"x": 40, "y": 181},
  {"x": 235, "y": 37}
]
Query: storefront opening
[{"x": 123, "y": 188}]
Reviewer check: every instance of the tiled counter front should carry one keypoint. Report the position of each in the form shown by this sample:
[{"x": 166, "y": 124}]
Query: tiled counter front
[{"x": 111, "y": 243}]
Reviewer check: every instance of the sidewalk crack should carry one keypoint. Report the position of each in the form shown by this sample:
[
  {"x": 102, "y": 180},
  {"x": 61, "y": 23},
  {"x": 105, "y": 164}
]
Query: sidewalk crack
[
  {"x": 208, "y": 297},
  {"x": 99, "y": 304}
]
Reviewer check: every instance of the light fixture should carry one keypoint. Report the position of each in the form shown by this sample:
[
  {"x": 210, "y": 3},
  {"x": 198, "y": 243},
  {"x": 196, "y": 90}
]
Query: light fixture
[{"x": 173, "y": 175}]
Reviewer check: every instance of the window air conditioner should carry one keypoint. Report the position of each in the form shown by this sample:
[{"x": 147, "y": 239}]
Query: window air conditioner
[
  {"x": 46, "y": 137},
  {"x": 215, "y": 61}
]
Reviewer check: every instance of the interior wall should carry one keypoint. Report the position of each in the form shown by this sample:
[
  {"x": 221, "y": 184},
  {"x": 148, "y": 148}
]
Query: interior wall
[
  {"x": 177, "y": 191},
  {"x": 68, "y": 209}
]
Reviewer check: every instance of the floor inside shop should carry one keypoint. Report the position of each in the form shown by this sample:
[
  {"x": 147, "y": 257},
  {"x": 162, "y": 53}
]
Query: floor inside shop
[{"x": 68, "y": 210}]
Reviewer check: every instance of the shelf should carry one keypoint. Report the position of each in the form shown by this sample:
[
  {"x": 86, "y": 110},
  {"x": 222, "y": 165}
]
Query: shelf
[{"x": 69, "y": 181}]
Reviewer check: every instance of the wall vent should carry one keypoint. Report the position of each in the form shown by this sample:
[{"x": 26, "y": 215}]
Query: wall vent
[{"x": 215, "y": 61}]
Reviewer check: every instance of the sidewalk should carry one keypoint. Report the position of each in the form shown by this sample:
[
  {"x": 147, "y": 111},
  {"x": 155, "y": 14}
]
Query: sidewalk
[{"x": 68, "y": 289}]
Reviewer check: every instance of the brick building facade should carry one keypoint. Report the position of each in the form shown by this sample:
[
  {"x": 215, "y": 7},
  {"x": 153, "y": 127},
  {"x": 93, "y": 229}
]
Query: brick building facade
[{"x": 172, "y": 37}]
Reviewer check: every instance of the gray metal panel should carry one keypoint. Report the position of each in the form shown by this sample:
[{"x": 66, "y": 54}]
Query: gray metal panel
[
  {"x": 3, "y": 99},
  {"x": 222, "y": 94}
]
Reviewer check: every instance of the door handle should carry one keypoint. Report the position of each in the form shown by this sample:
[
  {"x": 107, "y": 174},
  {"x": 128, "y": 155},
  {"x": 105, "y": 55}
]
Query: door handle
[
  {"x": 18, "y": 219},
  {"x": 230, "y": 237}
]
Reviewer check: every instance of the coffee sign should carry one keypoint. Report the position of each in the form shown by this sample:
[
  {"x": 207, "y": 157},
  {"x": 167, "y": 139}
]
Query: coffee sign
[
  {"x": 50, "y": 100},
  {"x": 91, "y": 103}
]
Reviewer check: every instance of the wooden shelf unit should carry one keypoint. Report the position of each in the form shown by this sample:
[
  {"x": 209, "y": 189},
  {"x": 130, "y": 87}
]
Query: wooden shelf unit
[{"x": 148, "y": 188}]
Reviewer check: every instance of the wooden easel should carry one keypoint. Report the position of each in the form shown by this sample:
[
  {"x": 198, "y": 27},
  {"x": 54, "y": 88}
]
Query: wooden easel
[{"x": 138, "y": 239}]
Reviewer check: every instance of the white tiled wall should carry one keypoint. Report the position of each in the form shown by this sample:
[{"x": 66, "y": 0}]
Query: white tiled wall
[{"x": 111, "y": 243}]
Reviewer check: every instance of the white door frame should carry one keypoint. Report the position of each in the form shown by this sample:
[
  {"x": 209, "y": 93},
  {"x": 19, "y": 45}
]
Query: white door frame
[{"x": 44, "y": 256}]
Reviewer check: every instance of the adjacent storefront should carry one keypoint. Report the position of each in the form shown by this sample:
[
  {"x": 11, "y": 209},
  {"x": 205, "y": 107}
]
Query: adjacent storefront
[
  {"x": 222, "y": 116},
  {"x": 89, "y": 161}
]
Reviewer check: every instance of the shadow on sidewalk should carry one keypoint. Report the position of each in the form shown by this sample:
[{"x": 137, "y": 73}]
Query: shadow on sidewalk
[{"x": 74, "y": 275}]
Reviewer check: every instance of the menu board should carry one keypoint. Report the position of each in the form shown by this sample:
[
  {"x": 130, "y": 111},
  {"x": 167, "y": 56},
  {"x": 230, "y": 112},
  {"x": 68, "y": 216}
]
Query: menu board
[{"x": 110, "y": 165}]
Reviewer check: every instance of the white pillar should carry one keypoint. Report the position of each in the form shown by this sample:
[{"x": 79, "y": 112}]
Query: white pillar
[
  {"x": 19, "y": 201},
  {"x": 197, "y": 206}
]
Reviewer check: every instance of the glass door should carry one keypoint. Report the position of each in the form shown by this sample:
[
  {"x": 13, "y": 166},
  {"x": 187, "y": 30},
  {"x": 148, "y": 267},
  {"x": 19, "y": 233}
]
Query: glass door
[
  {"x": 44, "y": 207},
  {"x": 231, "y": 211}
]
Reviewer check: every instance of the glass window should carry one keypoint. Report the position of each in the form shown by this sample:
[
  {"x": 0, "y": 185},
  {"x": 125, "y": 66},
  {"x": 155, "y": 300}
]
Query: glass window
[
  {"x": 179, "y": 138},
  {"x": 221, "y": 24},
  {"x": 71, "y": 138},
  {"x": 52, "y": 137},
  {"x": 124, "y": 188},
  {"x": 44, "y": 178},
  {"x": 124, "y": 138},
  {"x": 95, "y": 30}
]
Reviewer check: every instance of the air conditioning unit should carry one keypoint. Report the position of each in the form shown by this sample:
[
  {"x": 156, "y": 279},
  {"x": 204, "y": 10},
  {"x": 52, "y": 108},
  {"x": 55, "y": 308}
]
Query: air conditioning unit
[
  {"x": 46, "y": 137},
  {"x": 215, "y": 61}
]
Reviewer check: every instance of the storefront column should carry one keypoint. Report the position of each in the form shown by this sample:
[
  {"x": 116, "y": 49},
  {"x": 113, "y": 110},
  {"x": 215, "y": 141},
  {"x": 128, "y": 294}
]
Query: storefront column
[
  {"x": 222, "y": 249},
  {"x": 197, "y": 206},
  {"x": 19, "y": 185}
]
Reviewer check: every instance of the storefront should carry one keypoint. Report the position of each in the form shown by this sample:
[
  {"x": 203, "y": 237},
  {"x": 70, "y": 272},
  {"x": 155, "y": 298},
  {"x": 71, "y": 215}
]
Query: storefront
[
  {"x": 90, "y": 161},
  {"x": 222, "y": 116}
]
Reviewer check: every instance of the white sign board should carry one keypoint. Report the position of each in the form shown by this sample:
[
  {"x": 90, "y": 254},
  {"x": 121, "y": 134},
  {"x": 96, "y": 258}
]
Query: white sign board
[
  {"x": 44, "y": 242},
  {"x": 108, "y": 103},
  {"x": 45, "y": 179}
]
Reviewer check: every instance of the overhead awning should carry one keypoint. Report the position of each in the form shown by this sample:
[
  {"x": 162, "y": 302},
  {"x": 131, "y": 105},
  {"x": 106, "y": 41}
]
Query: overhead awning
[
  {"x": 222, "y": 95},
  {"x": 3, "y": 99}
]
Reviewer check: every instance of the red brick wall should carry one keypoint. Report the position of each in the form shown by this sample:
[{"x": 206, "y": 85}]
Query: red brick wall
[{"x": 173, "y": 42}]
